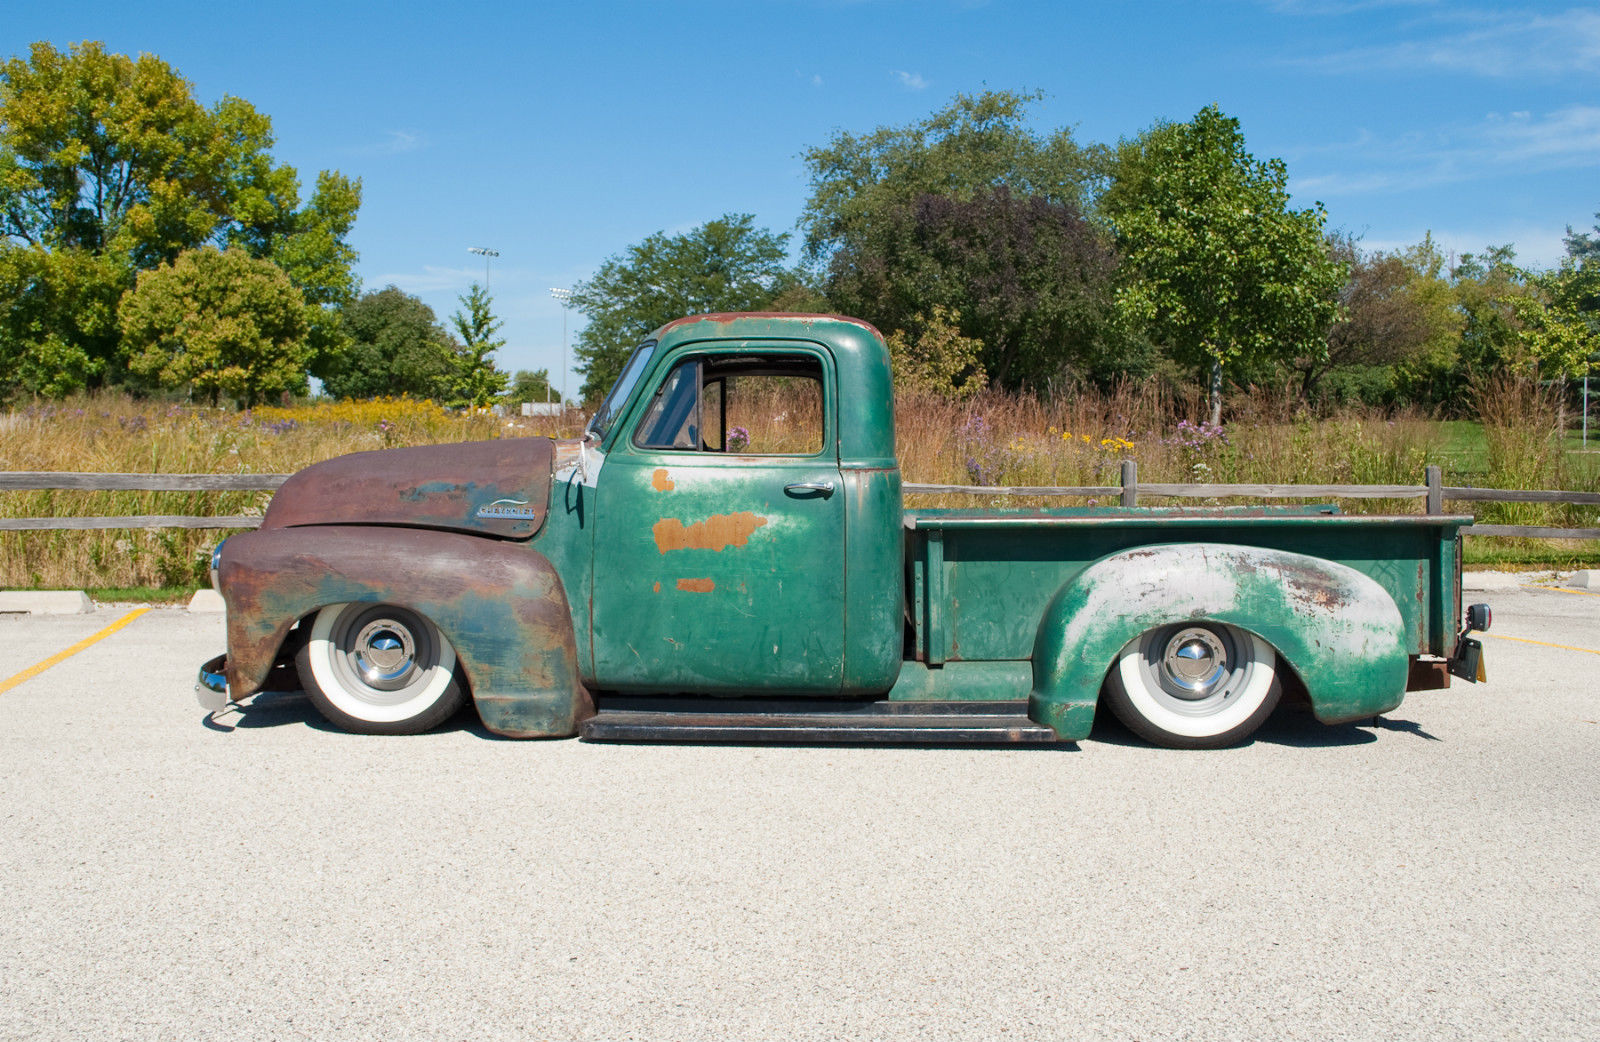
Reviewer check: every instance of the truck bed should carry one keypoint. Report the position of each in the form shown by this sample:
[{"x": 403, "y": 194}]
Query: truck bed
[{"x": 979, "y": 580}]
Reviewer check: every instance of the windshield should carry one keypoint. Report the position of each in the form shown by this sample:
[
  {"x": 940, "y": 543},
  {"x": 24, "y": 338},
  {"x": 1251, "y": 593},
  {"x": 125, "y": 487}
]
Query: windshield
[{"x": 612, "y": 406}]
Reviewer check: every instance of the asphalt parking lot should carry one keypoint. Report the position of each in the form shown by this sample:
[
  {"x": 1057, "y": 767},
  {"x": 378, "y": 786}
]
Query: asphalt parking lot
[{"x": 1432, "y": 875}]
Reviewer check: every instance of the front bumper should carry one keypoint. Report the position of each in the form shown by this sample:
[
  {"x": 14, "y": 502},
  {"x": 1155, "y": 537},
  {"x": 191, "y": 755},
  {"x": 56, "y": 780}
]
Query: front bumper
[{"x": 211, "y": 687}]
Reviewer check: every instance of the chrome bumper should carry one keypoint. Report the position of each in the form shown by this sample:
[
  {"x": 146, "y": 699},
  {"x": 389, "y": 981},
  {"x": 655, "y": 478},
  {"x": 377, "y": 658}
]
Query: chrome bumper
[{"x": 211, "y": 687}]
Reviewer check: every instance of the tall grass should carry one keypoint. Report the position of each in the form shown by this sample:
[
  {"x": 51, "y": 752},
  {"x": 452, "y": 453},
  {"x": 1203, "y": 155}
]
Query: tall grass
[
  {"x": 1077, "y": 439},
  {"x": 115, "y": 434}
]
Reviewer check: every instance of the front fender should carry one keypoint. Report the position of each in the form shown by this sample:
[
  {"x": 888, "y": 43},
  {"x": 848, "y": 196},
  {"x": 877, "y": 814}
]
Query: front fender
[
  {"x": 1339, "y": 629},
  {"x": 500, "y": 604}
]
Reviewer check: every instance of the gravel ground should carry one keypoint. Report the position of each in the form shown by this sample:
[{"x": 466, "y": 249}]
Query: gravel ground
[{"x": 1432, "y": 876}]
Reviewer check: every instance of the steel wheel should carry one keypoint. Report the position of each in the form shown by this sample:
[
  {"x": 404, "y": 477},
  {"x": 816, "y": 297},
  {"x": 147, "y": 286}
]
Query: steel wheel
[
  {"x": 1195, "y": 685},
  {"x": 379, "y": 669}
]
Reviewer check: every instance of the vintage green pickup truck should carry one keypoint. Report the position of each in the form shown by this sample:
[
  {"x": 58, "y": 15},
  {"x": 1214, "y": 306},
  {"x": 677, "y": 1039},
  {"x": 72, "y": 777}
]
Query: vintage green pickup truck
[{"x": 725, "y": 555}]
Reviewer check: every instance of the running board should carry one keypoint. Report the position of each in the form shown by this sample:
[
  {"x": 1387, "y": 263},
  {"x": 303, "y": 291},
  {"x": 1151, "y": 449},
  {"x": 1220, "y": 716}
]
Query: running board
[{"x": 621, "y": 719}]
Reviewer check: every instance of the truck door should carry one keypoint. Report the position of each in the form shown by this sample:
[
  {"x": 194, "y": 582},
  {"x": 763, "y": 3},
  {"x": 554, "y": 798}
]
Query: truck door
[{"x": 719, "y": 529}]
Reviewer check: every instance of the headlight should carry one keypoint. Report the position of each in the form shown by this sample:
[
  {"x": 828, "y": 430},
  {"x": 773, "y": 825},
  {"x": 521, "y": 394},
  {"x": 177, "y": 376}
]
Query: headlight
[{"x": 216, "y": 564}]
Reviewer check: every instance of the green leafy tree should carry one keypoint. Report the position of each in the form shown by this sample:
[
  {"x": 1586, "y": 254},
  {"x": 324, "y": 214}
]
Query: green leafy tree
[
  {"x": 1576, "y": 284},
  {"x": 110, "y": 164},
  {"x": 59, "y": 302},
  {"x": 396, "y": 346},
  {"x": 971, "y": 212},
  {"x": 724, "y": 265},
  {"x": 976, "y": 143},
  {"x": 218, "y": 323},
  {"x": 937, "y": 359},
  {"x": 1218, "y": 269},
  {"x": 310, "y": 243},
  {"x": 1515, "y": 323},
  {"x": 531, "y": 385},
  {"x": 1029, "y": 280},
  {"x": 1397, "y": 312},
  {"x": 477, "y": 381}
]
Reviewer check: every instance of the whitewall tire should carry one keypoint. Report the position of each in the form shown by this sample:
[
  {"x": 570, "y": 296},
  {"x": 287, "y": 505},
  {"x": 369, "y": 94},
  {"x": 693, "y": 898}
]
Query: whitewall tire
[
  {"x": 1194, "y": 685},
  {"x": 379, "y": 669}
]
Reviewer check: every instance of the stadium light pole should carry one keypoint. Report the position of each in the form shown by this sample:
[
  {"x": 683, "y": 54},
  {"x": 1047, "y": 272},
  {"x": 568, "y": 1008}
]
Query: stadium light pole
[
  {"x": 564, "y": 298},
  {"x": 486, "y": 254}
]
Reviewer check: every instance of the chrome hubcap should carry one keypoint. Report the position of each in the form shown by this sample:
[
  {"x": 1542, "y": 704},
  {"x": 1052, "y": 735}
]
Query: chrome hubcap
[
  {"x": 1194, "y": 664},
  {"x": 385, "y": 652}
]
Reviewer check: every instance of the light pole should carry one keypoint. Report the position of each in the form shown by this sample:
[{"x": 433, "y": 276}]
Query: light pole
[
  {"x": 564, "y": 297},
  {"x": 486, "y": 254}
]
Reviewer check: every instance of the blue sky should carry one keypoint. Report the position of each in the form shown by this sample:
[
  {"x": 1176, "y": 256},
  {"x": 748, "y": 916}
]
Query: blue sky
[{"x": 561, "y": 133}]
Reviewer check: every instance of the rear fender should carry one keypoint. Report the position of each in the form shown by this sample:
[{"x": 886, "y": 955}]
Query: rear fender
[
  {"x": 1340, "y": 631},
  {"x": 500, "y": 604}
]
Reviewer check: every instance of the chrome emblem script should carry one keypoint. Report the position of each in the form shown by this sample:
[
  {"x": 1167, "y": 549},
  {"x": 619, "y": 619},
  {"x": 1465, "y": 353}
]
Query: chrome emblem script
[{"x": 509, "y": 508}]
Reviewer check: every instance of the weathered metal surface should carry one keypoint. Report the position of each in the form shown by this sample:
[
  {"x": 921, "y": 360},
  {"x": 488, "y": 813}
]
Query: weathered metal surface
[
  {"x": 709, "y": 572},
  {"x": 874, "y": 579},
  {"x": 716, "y": 533},
  {"x": 964, "y": 682},
  {"x": 720, "y": 583},
  {"x": 980, "y": 589},
  {"x": 1340, "y": 631},
  {"x": 1428, "y": 674},
  {"x": 499, "y": 488},
  {"x": 501, "y": 605},
  {"x": 814, "y": 721},
  {"x": 1313, "y": 518}
]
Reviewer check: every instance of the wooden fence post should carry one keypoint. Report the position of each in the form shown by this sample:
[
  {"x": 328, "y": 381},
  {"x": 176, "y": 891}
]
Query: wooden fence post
[
  {"x": 1435, "y": 491},
  {"x": 1130, "y": 483}
]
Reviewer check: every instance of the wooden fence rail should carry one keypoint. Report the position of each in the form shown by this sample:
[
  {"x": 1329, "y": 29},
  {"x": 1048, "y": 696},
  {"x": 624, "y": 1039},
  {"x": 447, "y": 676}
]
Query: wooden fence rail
[{"x": 1128, "y": 491}]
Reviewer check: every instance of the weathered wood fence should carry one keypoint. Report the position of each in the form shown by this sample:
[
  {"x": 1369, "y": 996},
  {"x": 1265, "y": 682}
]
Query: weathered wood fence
[{"x": 1128, "y": 492}]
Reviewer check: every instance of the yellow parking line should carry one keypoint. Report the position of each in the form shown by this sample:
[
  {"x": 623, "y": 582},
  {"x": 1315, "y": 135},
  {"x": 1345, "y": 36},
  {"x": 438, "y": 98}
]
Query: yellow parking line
[
  {"x": 33, "y": 671},
  {"x": 1520, "y": 640},
  {"x": 1565, "y": 589}
]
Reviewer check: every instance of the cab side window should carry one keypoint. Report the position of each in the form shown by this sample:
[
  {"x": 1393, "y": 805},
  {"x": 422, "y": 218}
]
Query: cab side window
[{"x": 762, "y": 405}]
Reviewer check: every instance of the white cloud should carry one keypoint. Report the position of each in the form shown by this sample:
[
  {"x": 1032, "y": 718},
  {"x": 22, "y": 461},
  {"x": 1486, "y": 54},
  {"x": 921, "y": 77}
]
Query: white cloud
[
  {"x": 1517, "y": 142},
  {"x": 431, "y": 279},
  {"x": 1537, "y": 246},
  {"x": 395, "y": 143},
  {"x": 911, "y": 80},
  {"x": 1492, "y": 44},
  {"x": 1338, "y": 7}
]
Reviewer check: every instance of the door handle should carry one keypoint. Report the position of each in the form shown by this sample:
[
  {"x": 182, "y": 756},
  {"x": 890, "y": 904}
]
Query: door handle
[{"x": 821, "y": 488}]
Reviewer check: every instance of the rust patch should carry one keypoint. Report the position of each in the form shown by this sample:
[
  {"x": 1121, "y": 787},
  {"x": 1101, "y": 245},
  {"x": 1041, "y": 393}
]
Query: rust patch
[
  {"x": 658, "y": 588},
  {"x": 660, "y": 482},
  {"x": 717, "y": 532},
  {"x": 697, "y": 585}
]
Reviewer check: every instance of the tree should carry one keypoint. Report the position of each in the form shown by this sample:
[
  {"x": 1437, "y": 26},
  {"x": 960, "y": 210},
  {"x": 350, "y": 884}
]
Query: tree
[
  {"x": 310, "y": 244},
  {"x": 477, "y": 381},
  {"x": 218, "y": 323},
  {"x": 531, "y": 385},
  {"x": 1397, "y": 310},
  {"x": 974, "y": 144},
  {"x": 724, "y": 265},
  {"x": 1218, "y": 268},
  {"x": 1030, "y": 280},
  {"x": 110, "y": 165},
  {"x": 395, "y": 347},
  {"x": 1576, "y": 284},
  {"x": 937, "y": 359},
  {"x": 59, "y": 301}
]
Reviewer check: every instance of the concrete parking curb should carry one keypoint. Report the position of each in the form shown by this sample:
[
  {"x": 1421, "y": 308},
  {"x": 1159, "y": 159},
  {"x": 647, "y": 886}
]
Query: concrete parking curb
[
  {"x": 46, "y": 602},
  {"x": 206, "y": 602}
]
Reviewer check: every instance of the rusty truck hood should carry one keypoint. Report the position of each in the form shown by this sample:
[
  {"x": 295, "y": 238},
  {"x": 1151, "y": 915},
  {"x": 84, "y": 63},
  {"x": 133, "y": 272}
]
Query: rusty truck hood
[{"x": 495, "y": 488}]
